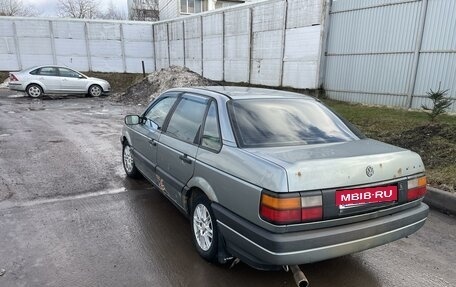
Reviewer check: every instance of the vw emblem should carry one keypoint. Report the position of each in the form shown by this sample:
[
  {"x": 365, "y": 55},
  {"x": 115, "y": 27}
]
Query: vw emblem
[{"x": 369, "y": 171}]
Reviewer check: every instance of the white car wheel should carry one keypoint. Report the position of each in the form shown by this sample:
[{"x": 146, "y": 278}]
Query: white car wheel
[
  {"x": 95, "y": 90},
  {"x": 129, "y": 163},
  {"x": 34, "y": 91},
  {"x": 204, "y": 228}
]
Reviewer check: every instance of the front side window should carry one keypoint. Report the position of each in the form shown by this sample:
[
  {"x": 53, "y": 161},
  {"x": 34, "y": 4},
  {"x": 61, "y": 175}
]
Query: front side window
[
  {"x": 158, "y": 112},
  {"x": 187, "y": 119},
  {"x": 285, "y": 122},
  {"x": 68, "y": 73},
  {"x": 211, "y": 135}
]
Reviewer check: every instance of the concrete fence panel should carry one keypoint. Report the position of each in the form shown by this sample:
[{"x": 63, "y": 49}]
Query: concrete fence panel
[{"x": 272, "y": 43}]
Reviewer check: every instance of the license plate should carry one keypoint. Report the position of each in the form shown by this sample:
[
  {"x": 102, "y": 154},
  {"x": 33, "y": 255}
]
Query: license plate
[{"x": 366, "y": 195}]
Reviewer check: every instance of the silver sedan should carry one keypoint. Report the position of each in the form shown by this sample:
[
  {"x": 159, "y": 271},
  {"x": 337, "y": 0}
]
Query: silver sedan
[{"x": 40, "y": 80}]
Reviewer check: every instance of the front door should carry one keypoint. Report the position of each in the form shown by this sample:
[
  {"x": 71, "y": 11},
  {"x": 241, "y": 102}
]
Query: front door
[
  {"x": 72, "y": 81},
  {"x": 147, "y": 135},
  {"x": 178, "y": 145}
]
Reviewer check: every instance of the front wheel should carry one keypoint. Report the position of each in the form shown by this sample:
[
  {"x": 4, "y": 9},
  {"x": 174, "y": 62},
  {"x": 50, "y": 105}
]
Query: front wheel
[
  {"x": 95, "y": 90},
  {"x": 204, "y": 228},
  {"x": 128, "y": 162}
]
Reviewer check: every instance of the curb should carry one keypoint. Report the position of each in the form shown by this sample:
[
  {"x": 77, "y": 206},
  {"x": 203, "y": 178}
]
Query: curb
[{"x": 441, "y": 200}]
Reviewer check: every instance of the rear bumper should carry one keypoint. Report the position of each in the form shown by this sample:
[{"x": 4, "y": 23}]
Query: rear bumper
[
  {"x": 266, "y": 250},
  {"x": 16, "y": 86}
]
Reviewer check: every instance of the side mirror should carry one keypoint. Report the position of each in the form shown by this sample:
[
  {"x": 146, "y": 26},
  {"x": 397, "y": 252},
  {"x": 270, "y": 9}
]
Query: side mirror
[
  {"x": 81, "y": 77},
  {"x": 132, "y": 120}
]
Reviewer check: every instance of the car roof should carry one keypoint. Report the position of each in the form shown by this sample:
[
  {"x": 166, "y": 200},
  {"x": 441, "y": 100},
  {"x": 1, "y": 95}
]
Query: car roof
[
  {"x": 236, "y": 92},
  {"x": 41, "y": 66}
]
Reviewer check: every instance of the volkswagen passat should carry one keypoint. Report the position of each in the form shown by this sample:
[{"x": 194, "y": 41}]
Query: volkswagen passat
[
  {"x": 273, "y": 178},
  {"x": 56, "y": 80}
]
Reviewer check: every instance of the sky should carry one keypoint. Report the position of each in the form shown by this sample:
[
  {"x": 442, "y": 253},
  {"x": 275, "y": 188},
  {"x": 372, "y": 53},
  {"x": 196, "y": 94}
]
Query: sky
[{"x": 49, "y": 7}]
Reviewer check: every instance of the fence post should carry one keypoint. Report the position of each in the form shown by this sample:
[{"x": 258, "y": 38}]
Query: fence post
[
  {"x": 183, "y": 42},
  {"x": 153, "y": 48},
  {"x": 202, "y": 46},
  {"x": 416, "y": 57},
  {"x": 52, "y": 38},
  {"x": 167, "y": 38},
  {"x": 250, "y": 42},
  {"x": 87, "y": 38},
  {"x": 122, "y": 45},
  {"x": 16, "y": 43},
  {"x": 284, "y": 38},
  {"x": 223, "y": 46},
  {"x": 326, "y": 29}
]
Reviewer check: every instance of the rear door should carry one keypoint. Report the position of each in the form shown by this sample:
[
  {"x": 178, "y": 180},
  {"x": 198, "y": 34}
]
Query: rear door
[
  {"x": 49, "y": 76},
  {"x": 178, "y": 145}
]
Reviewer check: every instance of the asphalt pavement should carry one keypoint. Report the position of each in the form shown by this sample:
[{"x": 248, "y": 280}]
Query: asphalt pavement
[{"x": 69, "y": 216}]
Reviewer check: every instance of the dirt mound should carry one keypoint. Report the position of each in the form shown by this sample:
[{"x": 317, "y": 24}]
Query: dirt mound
[{"x": 147, "y": 89}]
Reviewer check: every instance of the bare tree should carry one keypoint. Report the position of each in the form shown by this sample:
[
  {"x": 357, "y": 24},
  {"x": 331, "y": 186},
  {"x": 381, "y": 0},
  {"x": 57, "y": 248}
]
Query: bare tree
[
  {"x": 144, "y": 10},
  {"x": 15, "y": 8},
  {"x": 113, "y": 12},
  {"x": 78, "y": 9}
]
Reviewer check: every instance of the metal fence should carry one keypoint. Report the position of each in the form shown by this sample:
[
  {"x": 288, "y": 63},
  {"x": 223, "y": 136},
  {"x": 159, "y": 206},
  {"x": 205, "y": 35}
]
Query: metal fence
[
  {"x": 273, "y": 43},
  {"x": 391, "y": 52}
]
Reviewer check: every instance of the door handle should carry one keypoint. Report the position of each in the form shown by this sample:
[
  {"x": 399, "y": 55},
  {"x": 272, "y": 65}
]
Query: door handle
[
  {"x": 153, "y": 142},
  {"x": 185, "y": 159}
]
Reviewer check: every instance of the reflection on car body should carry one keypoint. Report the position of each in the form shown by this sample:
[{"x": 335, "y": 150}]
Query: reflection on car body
[{"x": 271, "y": 177}]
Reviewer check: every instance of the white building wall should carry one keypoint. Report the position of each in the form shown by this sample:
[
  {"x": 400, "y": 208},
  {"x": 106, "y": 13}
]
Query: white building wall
[{"x": 169, "y": 9}]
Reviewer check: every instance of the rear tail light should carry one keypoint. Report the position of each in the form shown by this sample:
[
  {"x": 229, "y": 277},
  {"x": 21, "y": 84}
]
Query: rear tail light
[
  {"x": 312, "y": 208},
  {"x": 416, "y": 188},
  {"x": 13, "y": 78},
  {"x": 291, "y": 209}
]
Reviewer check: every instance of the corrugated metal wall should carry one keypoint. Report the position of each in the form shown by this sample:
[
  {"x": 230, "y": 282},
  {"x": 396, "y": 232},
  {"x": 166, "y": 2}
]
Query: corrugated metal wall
[
  {"x": 391, "y": 52},
  {"x": 273, "y": 43}
]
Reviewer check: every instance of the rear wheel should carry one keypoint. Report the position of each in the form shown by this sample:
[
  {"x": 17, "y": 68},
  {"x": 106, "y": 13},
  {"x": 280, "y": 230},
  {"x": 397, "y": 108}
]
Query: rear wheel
[
  {"x": 34, "y": 90},
  {"x": 95, "y": 90},
  {"x": 128, "y": 162},
  {"x": 204, "y": 228}
]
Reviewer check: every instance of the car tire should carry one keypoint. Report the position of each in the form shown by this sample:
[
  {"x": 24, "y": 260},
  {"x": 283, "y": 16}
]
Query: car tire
[
  {"x": 34, "y": 90},
  {"x": 95, "y": 91},
  {"x": 204, "y": 228},
  {"x": 128, "y": 162}
]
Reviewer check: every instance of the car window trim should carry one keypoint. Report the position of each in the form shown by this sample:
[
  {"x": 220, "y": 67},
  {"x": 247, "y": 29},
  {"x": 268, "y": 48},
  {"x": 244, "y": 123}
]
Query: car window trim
[
  {"x": 154, "y": 103},
  {"x": 39, "y": 72},
  {"x": 200, "y": 140},
  {"x": 195, "y": 142}
]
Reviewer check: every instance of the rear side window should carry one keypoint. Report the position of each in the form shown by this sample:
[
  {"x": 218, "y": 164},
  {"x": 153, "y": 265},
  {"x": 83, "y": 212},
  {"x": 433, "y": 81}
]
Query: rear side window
[
  {"x": 211, "y": 135},
  {"x": 286, "y": 122},
  {"x": 47, "y": 71},
  {"x": 187, "y": 119}
]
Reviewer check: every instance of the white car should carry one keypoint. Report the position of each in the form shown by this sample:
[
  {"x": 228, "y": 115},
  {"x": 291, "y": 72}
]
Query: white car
[{"x": 40, "y": 80}]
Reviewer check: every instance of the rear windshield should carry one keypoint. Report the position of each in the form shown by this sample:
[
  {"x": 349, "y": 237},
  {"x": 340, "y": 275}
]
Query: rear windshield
[{"x": 286, "y": 122}]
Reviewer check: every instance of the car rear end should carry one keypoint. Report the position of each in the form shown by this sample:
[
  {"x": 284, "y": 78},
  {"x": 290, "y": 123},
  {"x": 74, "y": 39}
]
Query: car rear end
[
  {"x": 16, "y": 81},
  {"x": 345, "y": 193}
]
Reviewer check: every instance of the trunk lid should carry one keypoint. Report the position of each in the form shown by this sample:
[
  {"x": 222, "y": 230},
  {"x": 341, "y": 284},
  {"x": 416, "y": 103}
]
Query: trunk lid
[{"x": 341, "y": 165}]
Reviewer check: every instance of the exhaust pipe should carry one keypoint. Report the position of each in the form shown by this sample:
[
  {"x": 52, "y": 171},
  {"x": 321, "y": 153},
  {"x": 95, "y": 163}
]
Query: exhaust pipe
[{"x": 299, "y": 277}]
